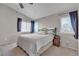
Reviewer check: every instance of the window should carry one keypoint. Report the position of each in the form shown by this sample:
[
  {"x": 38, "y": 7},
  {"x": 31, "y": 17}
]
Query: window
[
  {"x": 28, "y": 27},
  {"x": 66, "y": 26},
  {"x": 36, "y": 27},
  {"x": 23, "y": 26}
]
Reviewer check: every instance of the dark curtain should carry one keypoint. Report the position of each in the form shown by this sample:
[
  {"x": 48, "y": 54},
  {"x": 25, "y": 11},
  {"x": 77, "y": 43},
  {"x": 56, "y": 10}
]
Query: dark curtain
[
  {"x": 74, "y": 22},
  {"x": 32, "y": 26},
  {"x": 19, "y": 20}
]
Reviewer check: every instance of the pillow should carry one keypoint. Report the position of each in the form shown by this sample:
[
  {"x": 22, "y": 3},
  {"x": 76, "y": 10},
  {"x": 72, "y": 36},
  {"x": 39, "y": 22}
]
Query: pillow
[
  {"x": 25, "y": 32},
  {"x": 42, "y": 32},
  {"x": 50, "y": 32}
]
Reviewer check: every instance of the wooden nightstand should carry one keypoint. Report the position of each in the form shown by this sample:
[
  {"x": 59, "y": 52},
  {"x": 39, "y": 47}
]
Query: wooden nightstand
[{"x": 56, "y": 40}]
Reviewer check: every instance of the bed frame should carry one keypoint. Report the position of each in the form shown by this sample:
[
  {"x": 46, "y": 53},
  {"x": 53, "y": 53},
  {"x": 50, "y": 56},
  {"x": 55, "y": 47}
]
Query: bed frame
[
  {"x": 23, "y": 50},
  {"x": 43, "y": 49}
]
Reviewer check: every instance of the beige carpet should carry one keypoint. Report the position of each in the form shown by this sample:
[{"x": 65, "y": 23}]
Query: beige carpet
[
  {"x": 60, "y": 51},
  {"x": 52, "y": 51}
]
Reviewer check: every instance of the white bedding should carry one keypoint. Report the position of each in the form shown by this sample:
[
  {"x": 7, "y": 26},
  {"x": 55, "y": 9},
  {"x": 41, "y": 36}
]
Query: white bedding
[{"x": 32, "y": 43}]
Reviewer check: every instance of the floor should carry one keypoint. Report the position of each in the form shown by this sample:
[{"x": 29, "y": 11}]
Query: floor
[
  {"x": 12, "y": 50},
  {"x": 60, "y": 51}
]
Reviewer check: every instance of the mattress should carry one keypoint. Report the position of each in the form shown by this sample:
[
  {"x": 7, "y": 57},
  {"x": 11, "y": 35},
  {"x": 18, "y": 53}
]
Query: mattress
[{"x": 32, "y": 43}]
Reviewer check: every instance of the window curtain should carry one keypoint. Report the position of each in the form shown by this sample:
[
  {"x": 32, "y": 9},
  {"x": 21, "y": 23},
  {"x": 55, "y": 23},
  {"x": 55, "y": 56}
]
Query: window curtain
[
  {"x": 74, "y": 22},
  {"x": 19, "y": 20},
  {"x": 32, "y": 26}
]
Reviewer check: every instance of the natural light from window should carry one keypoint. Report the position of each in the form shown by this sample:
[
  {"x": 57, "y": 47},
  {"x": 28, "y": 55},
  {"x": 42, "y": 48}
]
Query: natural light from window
[
  {"x": 36, "y": 26},
  {"x": 26, "y": 26},
  {"x": 66, "y": 26},
  {"x": 23, "y": 26}
]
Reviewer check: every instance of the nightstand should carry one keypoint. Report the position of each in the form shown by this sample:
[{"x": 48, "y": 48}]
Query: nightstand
[{"x": 56, "y": 40}]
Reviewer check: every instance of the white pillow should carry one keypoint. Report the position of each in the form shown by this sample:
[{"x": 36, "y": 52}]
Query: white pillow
[
  {"x": 25, "y": 32},
  {"x": 50, "y": 32},
  {"x": 41, "y": 32}
]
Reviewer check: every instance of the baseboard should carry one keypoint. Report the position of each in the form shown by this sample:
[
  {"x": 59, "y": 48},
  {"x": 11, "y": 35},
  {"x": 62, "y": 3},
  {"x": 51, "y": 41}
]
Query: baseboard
[{"x": 70, "y": 48}]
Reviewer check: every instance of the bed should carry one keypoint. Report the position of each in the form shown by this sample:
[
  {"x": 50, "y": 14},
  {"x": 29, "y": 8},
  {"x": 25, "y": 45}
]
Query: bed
[{"x": 34, "y": 44}]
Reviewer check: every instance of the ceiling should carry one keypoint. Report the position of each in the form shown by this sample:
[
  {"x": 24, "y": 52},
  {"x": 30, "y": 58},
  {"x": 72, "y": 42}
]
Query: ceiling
[{"x": 39, "y": 10}]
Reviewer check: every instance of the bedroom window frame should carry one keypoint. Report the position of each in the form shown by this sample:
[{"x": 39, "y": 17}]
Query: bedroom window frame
[
  {"x": 21, "y": 26},
  {"x": 63, "y": 29}
]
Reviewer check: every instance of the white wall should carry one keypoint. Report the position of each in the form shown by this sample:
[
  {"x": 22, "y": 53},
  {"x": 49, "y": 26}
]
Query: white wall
[
  {"x": 8, "y": 22},
  {"x": 51, "y": 21},
  {"x": 67, "y": 40},
  {"x": 48, "y": 22}
]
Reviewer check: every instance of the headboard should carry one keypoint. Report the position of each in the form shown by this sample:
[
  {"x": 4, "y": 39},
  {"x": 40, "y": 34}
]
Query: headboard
[{"x": 49, "y": 30}]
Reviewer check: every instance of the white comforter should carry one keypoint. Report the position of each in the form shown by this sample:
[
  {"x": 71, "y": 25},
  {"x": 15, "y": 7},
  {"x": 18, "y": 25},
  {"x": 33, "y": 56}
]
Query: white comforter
[{"x": 32, "y": 43}]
